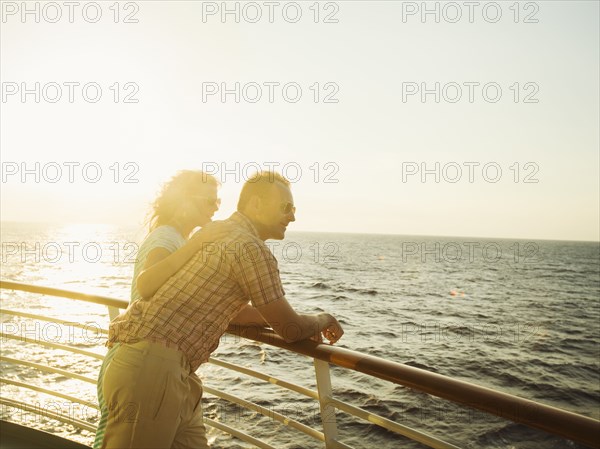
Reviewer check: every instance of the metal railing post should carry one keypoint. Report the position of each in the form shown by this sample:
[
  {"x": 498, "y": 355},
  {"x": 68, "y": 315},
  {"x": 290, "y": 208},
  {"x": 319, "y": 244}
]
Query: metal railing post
[{"x": 326, "y": 406}]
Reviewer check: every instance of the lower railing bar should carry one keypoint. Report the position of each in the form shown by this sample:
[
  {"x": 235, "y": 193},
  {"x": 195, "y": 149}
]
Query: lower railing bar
[
  {"x": 268, "y": 413},
  {"x": 49, "y": 392},
  {"x": 335, "y": 444},
  {"x": 53, "y": 345},
  {"x": 290, "y": 386},
  {"x": 408, "y": 432},
  {"x": 236, "y": 433},
  {"x": 54, "y": 320},
  {"x": 48, "y": 414},
  {"x": 48, "y": 369}
]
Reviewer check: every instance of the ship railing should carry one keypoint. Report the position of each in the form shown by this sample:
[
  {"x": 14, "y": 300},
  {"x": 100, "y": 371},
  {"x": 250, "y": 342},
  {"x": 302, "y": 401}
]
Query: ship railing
[{"x": 578, "y": 428}]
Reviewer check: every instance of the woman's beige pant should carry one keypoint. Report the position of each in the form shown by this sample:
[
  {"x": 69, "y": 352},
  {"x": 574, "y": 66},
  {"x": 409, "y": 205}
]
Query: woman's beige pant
[{"x": 153, "y": 399}]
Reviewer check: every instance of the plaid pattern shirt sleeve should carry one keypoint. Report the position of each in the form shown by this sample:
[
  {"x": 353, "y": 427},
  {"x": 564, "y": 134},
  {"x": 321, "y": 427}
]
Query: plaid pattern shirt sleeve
[{"x": 257, "y": 273}]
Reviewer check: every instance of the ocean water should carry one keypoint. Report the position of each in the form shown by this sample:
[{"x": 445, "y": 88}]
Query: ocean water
[{"x": 519, "y": 316}]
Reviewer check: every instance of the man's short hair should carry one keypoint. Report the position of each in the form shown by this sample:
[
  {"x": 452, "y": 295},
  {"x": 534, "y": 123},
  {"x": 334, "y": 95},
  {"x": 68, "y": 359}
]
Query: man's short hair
[{"x": 259, "y": 184}]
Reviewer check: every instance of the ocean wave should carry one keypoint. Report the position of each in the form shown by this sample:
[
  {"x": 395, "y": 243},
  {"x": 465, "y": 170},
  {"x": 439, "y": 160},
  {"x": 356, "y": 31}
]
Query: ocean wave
[
  {"x": 363, "y": 291},
  {"x": 518, "y": 435}
]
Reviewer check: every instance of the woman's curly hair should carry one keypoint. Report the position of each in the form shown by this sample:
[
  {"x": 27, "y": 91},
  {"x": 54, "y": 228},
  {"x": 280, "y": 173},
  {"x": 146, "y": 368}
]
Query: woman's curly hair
[{"x": 173, "y": 193}]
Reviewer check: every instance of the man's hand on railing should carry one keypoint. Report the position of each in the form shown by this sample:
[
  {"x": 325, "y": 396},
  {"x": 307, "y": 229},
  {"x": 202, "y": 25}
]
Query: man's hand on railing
[
  {"x": 332, "y": 330},
  {"x": 317, "y": 338}
]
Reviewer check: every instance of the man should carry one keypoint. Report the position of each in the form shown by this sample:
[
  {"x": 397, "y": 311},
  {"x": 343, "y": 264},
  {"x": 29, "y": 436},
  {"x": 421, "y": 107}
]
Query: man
[{"x": 150, "y": 386}]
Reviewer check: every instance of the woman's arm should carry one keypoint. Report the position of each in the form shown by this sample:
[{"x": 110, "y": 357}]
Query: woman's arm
[
  {"x": 154, "y": 257},
  {"x": 156, "y": 274}
]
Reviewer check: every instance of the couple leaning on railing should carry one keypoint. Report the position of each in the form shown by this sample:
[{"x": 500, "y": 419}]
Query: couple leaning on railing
[{"x": 156, "y": 346}]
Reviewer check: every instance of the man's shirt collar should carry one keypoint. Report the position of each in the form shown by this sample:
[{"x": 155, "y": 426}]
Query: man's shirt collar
[{"x": 244, "y": 222}]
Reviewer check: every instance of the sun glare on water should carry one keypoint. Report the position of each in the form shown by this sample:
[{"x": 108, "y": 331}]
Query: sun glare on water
[{"x": 91, "y": 258}]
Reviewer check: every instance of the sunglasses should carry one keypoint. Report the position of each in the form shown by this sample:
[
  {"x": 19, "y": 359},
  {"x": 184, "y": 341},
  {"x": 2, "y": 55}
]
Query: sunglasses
[
  {"x": 287, "y": 207},
  {"x": 209, "y": 201}
]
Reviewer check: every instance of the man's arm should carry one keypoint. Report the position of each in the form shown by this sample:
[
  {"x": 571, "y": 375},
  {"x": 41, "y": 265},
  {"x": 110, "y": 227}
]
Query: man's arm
[
  {"x": 293, "y": 326},
  {"x": 258, "y": 276},
  {"x": 249, "y": 316}
]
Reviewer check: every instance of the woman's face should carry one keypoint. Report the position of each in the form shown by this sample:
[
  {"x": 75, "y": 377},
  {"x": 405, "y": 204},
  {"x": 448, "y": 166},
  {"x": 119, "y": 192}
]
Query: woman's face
[{"x": 204, "y": 204}]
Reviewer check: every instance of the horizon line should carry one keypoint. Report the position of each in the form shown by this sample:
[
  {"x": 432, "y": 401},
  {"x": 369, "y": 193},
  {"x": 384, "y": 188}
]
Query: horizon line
[{"x": 327, "y": 232}]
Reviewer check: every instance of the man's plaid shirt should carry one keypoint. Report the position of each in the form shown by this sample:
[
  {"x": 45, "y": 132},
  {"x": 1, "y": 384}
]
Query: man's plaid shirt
[{"x": 193, "y": 308}]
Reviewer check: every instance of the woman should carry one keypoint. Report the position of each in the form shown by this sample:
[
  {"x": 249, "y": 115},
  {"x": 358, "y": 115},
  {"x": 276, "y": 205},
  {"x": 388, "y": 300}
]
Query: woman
[{"x": 187, "y": 201}]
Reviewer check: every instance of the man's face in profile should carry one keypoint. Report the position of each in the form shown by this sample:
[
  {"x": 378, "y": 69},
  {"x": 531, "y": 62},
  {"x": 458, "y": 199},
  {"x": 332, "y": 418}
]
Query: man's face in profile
[{"x": 277, "y": 212}]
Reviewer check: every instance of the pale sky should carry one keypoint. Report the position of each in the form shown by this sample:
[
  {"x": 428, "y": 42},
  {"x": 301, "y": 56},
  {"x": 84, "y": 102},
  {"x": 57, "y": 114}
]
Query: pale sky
[{"x": 374, "y": 61}]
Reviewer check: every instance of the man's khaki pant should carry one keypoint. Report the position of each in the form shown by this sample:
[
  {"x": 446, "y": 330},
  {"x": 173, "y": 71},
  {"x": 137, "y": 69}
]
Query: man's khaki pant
[{"x": 153, "y": 399}]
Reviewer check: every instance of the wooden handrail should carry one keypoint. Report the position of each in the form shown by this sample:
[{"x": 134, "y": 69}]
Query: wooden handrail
[{"x": 552, "y": 420}]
